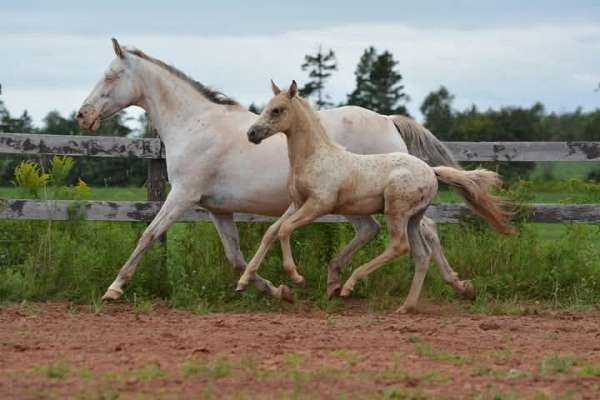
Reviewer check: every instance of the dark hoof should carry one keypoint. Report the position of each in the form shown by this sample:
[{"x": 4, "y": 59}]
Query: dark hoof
[
  {"x": 285, "y": 294},
  {"x": 333, "y": 290},
  {"x": 241, "y": 287},
  {"x": 468, "y": 291}
]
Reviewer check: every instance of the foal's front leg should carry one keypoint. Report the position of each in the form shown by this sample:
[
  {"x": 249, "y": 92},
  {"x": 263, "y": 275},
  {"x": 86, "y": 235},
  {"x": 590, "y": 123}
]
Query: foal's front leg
[{"x": 265, "y": 244}]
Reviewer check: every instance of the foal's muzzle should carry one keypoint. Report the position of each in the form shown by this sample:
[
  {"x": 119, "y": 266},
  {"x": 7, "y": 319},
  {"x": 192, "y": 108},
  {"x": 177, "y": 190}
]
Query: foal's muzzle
[{"x": 256, "y": 134}]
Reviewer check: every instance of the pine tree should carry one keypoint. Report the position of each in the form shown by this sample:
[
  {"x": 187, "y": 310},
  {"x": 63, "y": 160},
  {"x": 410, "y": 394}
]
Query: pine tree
[
  {"x": 320, "y": 67},
  {"x": 378, "y": 84},
  {"x": 437, "y": 110}
]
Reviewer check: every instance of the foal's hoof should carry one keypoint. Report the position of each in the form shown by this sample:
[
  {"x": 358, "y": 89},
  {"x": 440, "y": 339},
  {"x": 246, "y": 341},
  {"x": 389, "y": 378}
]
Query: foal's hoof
[
  {"x": 298, "y": 280},
  {"x": 346, "y": 291},
  {"x": 468, "y": 290},
  {"x": 241, "y": 286},
  {"x": 284, "y": 293},
  {"x": 112, "y": 294}
]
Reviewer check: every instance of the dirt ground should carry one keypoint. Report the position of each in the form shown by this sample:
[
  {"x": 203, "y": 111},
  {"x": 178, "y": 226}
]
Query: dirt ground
[{"x": 59, "y": 350}]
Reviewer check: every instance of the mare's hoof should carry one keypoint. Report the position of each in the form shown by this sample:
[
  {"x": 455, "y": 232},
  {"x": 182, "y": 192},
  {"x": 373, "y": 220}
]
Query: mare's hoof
[
  {"x": 112, "y": 294},
  {"x": 405, "y": 309}
]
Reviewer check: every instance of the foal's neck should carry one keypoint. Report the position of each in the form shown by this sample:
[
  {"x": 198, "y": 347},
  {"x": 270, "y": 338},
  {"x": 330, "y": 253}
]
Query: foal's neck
[{"x": 306, "y": 136}]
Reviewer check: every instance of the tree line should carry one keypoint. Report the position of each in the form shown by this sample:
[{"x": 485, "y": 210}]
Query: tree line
[{"x": 378, "y": 86}]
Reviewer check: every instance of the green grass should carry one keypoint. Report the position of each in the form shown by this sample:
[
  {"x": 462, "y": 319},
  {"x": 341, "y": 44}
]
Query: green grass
[
  {"x": 549, "y": 265},
  {"x": 563, "y": 170},
  {"x": 126, "y": 193}
]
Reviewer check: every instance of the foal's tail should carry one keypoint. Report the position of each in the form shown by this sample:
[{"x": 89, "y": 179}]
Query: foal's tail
[{"x": 475, "y": 186}]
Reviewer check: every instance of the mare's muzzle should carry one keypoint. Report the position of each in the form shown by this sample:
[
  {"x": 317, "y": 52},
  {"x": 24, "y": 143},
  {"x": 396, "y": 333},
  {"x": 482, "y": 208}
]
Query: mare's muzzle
[{"x": 88, "y": 117}]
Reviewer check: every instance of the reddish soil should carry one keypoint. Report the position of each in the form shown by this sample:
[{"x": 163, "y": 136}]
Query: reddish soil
[{"x": 58, "y": 350}]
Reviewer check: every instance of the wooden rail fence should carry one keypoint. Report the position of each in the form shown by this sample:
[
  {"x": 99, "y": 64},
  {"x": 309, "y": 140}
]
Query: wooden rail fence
[{"x": 151, "y": 149}]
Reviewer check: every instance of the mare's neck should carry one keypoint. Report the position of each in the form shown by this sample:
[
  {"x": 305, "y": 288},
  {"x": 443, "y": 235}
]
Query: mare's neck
[{"x": 170, "y": 102}]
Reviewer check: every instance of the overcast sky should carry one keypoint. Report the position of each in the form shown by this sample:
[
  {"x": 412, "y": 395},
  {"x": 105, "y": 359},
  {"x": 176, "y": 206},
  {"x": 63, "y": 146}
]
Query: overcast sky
[{"x": 490, "y": 53}]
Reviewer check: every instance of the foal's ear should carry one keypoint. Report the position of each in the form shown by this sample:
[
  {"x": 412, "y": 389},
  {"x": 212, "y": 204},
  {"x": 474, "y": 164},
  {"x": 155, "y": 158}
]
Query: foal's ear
[
  {"x": 293, "y": 89},
  {"x": 275, "y": 88},
  {"x": 117, "y": 48}
]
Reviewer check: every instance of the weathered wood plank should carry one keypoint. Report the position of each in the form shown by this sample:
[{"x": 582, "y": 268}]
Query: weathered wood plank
[
  {"x": 525, "y": 151},
  {"x": 108, "y": 146},
  {"x": 145, "y": 211},
  {"x": 88, "y": 146}
]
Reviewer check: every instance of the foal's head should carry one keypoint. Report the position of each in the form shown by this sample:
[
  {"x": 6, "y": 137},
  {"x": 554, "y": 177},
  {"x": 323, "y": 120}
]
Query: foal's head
[
  {"x": 277, "y": 115},
  {"x": 117, "y": 90}
]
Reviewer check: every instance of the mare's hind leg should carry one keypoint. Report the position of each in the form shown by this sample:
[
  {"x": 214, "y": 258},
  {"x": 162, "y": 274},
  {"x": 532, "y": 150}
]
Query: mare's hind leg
[
  {"x": 365, "y": 228},
  {"x": 231, "y": 243},
  {"x": 463, "y": 288},
  {"x": 421, "y": 254},
  {"x": 398, "y": 246}
]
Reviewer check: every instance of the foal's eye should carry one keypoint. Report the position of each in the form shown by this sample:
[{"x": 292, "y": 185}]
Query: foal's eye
[{"x": 276, "y": 111}]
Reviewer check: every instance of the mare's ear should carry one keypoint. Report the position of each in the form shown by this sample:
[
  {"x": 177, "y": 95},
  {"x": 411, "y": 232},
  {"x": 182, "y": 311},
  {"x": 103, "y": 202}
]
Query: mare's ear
[
  {"x": 275, "y": 88},
  {"x": 293, "y": 89},
  {"x": 117, "y": 48}
]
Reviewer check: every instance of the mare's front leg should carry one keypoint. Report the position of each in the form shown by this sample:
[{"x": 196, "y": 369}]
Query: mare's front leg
[
  {"x": 265, "y": 244},
  {"x": 365, "y": 228},
  {"x": 175, "y": 204},
  {"x": 228, "y": 233}
]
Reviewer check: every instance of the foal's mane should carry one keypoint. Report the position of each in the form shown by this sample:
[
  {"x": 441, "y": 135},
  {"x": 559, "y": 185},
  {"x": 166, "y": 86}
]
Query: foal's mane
[
  {"x": 315, "y": 120},
  {"x": 211, "y": 95}
]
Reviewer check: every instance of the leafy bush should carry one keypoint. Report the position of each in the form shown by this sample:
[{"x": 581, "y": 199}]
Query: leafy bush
[{"x": 30, "y": 178}]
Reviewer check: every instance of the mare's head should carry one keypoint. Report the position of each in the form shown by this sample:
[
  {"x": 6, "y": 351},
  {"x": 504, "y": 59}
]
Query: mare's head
[
  {"x": 277, "y": 115},
  {"x": 116, "y": 90}
]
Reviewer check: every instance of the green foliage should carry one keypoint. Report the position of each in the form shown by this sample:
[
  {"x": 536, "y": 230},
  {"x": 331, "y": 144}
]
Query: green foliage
[
  {"x": 60, "y": 168},
  {"x": 438, "y": 113},
  {"x": 30, "y": 178},
  {"x": 320, "y": 67},
  {"x": 378, "y": 84}
]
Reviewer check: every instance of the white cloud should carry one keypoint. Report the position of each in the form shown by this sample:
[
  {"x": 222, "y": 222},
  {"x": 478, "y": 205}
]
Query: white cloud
[{"x": 557, "y": 65}]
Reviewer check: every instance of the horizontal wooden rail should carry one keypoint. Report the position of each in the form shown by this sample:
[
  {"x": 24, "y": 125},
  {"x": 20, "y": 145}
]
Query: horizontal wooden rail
[
  {"x": 146, "y": 210},
  {"x": 79, "y": 146},
  {"x": 109, "y": 146}
]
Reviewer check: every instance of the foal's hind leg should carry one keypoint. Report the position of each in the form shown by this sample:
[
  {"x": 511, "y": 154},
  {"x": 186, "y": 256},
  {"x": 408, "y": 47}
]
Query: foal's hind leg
[
  {"x": 421, "y": 254},
  {"x": 366, "y": 228},
  {"x": 289, "y": 265},
  {"x": 397, "y": 247},
  {"x": 464, "y": 288}
]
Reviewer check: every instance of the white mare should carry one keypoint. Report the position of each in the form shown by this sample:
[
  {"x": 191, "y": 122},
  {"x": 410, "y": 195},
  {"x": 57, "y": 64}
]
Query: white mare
[{"x": 211, "y": 163}]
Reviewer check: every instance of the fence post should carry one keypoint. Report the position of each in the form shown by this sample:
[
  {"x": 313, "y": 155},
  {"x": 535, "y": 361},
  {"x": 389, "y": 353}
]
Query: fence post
[{"x": 157, "y": 191}]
